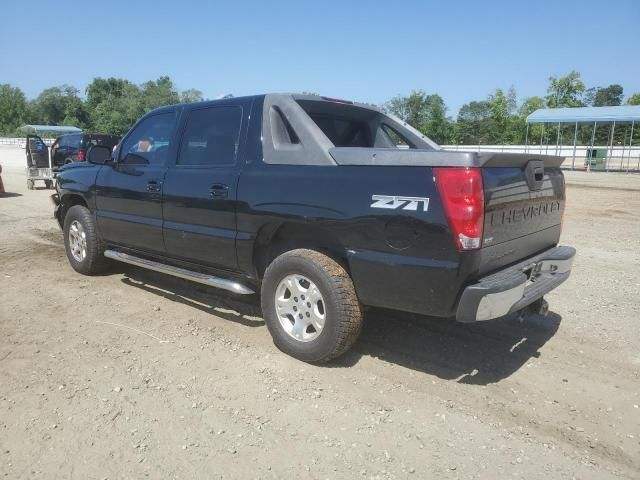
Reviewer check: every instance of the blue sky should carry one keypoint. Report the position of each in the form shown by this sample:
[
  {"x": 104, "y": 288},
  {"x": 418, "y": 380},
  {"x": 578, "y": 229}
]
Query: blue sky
[{"x": 362, "y": 50}]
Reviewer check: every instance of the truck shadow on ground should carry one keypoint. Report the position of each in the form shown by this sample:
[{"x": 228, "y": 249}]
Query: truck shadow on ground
[
  {"x": 475, "y": 354},
  {"x": 244, "y": 310}
]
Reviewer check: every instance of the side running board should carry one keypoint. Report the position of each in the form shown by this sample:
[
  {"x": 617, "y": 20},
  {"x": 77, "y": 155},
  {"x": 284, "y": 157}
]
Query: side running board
[{"x": 202, "y": 278}]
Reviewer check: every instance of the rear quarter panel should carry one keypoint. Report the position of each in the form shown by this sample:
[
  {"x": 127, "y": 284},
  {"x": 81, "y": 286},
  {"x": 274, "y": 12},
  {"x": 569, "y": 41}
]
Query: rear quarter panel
[{"x": 398, "y": 258}]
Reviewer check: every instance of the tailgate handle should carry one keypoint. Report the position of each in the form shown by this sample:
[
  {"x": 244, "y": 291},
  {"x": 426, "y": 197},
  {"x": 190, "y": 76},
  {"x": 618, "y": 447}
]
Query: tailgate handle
[
  {"x": 538, "y": 174},
  {"x": 535, "y": 174}
]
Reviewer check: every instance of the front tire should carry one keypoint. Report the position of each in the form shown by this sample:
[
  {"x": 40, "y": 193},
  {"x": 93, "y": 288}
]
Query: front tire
[
  {"x": 310, "y": 306},
  {"x": 84, "y": 249}
]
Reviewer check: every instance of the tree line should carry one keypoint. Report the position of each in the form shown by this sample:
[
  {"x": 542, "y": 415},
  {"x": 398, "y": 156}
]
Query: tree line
[
  {"x": 500, "y": 120},
  {"x": 113, "y": 105},
  {"x": 110, "y": 105}
]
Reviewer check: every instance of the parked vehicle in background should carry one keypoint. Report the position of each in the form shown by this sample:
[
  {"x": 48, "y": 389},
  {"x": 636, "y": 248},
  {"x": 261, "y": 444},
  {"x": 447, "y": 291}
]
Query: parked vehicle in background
[
  {"x": 74, "y": 147},
  {"x": 43, "y": 163},
  {"x": 323, "y": 206},
  {"x": 38, "y": 162}
]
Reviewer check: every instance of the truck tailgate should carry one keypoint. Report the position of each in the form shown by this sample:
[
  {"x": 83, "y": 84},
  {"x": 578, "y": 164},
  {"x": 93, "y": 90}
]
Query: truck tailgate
[{"x": 523, "y": 211}]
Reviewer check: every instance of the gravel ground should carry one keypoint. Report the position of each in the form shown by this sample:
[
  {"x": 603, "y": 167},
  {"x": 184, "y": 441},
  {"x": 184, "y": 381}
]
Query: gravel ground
[{"x": 134, "y": 373}]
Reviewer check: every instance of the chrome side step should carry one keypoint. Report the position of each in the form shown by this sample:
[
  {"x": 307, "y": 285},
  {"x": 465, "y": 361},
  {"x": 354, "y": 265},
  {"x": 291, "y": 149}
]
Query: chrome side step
[{"x": 202, "y": 278}]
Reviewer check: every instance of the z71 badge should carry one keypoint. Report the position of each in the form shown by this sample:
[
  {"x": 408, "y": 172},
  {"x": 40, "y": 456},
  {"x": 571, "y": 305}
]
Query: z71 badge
[{"x": 399, "y": 203}]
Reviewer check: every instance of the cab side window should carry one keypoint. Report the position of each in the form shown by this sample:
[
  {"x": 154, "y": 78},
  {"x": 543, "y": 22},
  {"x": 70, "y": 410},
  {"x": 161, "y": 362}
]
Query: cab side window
[
  {"x": 211, "y": 137},
  {"x": 149, "y": 142}
]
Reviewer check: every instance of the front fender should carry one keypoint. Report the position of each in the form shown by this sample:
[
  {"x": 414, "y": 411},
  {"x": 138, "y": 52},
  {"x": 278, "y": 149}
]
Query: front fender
[{"x": 78, "y": 181}]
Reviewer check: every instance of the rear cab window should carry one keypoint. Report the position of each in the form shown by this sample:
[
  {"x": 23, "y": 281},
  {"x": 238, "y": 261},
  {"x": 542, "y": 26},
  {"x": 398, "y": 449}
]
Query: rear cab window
[
  {"x": 74, "y": 141},
  {"x": 211, "y": 136},
  {"x": 347, "y": 125}
]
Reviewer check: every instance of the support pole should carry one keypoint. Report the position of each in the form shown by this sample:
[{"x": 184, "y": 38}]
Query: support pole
[
  {"x": 575, "y": 139},
  {"x": 609, "y": 154},
  {"x": 633, "y": 124},
  {"x": 526, "y": 139},
  {"x": 624, "y": 147},
  {"x": 590, "y": 151},
  {"x": 546, "y": 146},
  {"x": 557, "y": 138},
  {"x": 541, "y": 136}
]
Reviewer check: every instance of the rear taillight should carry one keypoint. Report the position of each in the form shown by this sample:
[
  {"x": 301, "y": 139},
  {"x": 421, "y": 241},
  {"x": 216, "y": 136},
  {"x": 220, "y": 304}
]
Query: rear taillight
[
  {"x": 463, "y": 201},
  {"x": 81, "y": 155}
]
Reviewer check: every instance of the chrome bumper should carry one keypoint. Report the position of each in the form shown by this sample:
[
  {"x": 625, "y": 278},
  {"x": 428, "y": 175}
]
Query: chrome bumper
[{"x": 516, "y": 287}]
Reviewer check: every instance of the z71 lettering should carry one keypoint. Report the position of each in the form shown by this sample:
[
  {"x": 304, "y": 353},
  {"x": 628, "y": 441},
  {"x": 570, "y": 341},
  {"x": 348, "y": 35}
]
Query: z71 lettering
[{"x": 394, "y": 202}]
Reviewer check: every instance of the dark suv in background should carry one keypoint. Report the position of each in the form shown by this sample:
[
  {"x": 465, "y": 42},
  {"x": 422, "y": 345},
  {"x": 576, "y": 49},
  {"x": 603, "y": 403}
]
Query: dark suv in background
[{"x": 74, "y": 147}]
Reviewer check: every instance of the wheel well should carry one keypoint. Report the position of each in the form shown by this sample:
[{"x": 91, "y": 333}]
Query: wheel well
[
  {"x": 273, "y": 240},
  {"x": 68, "y": 201}
]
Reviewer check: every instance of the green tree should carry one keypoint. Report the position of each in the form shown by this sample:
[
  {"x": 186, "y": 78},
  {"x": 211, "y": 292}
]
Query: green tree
[
  {"x": 119, "y": 111},
  {"x": 101, "y": 90},
  {"x": 60, "y": 106},
  {"x": 634, "y": 99},
  {"x": 565, "y": 91},
  {"x": 427, "y": 113},
  {"x": 190, "y": 95},
  {"x": 604, "y": 96},
  {"x": 13, "y": 109},
  {"x": 528, "y": 106},
  {"x": 473, "y": 123},
  {"x": 505, "y": 126},
  {"x": 114, "y": 105},
  {"x": 493, "y": 121},
  {"x": 157, "y": 94}
]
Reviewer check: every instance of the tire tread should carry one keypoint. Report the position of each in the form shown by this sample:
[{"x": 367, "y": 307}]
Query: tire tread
[
  {"x": 95, "y": 262},
  {"x": 350, "y": 314}
]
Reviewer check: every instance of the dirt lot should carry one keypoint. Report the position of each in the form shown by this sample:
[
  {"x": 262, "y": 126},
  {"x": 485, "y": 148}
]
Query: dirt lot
[{"x": 134, "y": 373}]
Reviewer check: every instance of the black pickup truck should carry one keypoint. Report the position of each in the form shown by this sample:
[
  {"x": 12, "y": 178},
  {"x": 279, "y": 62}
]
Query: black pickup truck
[{"x": 324, "y": 206}]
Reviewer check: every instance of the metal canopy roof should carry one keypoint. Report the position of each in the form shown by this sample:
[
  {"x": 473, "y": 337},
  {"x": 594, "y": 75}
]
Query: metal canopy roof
[
  {"x": 50, "y": 128},
  {"x": 626, "y": 113}
]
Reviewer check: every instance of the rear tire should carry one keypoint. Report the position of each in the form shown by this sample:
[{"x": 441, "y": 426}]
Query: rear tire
[
  {"x": 84, "y": 249},
  {"x": 310, "y": 306}
]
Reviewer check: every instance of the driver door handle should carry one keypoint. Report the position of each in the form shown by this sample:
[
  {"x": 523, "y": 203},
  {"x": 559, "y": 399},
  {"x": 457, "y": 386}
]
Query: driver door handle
[
  {"x": 219, "y": 190},
  {"x": 154, "y": 186}
]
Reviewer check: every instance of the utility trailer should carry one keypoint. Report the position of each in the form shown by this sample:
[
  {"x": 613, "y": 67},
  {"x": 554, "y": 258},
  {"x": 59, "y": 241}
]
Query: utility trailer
[{"x": 38, "y": 156}]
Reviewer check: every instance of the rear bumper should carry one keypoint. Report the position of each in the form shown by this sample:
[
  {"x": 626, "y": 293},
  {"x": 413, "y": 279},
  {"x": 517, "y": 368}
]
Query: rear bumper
[{"x": 515, "y": 287}]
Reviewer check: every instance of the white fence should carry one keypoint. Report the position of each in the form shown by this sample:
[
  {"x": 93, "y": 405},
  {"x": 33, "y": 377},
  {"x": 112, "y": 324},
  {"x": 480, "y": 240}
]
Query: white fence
[{"x": 21, "y": 141}]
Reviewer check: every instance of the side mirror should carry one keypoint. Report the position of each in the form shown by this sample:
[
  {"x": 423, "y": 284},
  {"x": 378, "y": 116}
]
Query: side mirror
[{"x": 99, "y": 155}]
